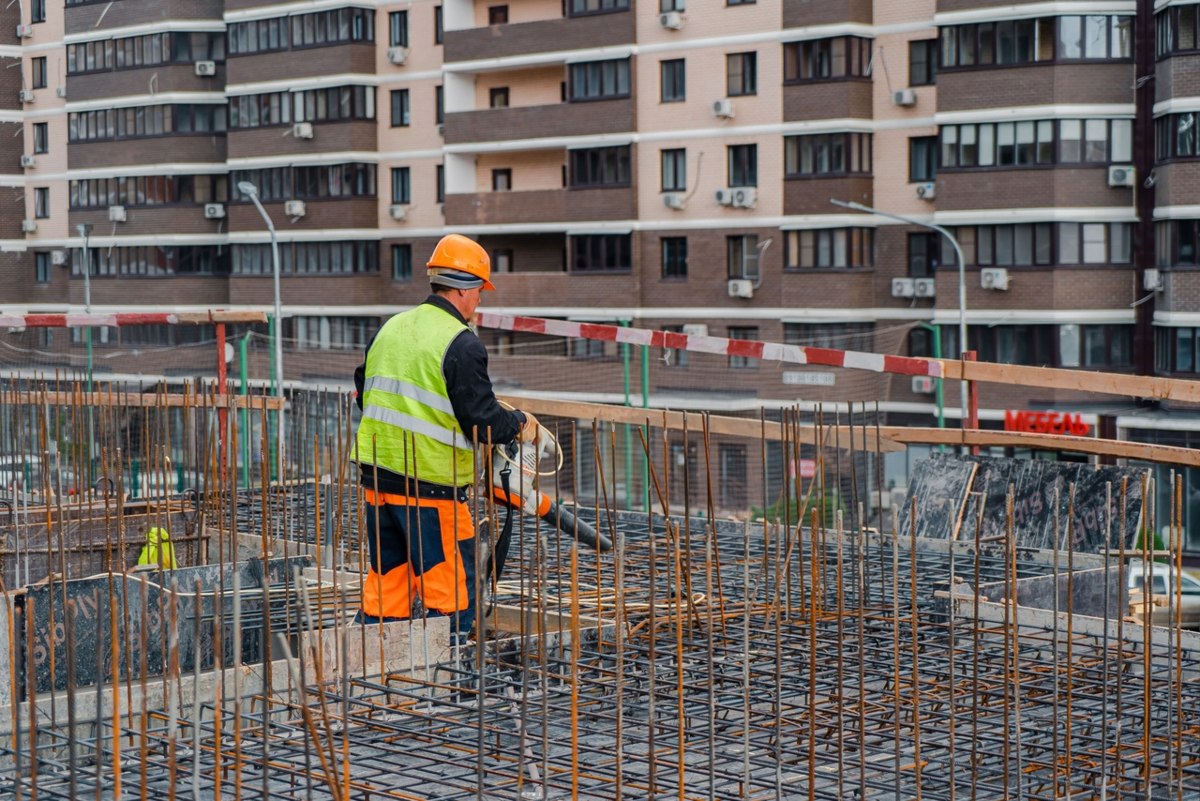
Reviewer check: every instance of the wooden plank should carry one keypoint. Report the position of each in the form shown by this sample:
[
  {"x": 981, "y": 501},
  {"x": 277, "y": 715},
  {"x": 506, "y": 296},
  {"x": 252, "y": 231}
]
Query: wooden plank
[
  {"x": 1120, "y": 449},
  {"x": 729, "y": 426},
  {"x": 203, "y": 318},
  {"x": 1134, "y": 386},
  {"x": 142, "y": 399}
]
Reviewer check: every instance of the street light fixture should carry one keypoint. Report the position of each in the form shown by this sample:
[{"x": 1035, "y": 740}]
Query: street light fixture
[
  {"x": 962, "y": 280},
  {"x": 251, "y": 191}
]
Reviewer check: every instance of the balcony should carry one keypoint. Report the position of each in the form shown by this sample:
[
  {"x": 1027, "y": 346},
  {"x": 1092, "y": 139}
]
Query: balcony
[
  {"x": 1037, "y": 188},
  {"x": 1034, "y": 85},
  {"x": 802, "y": 13},
  {"x": 811, "y": 195},
  {"x": 339, "y": 59},
  {"x": 827, "y": 100},
  {"x": 125, "y": 13},
  {"x": 173, "y": 149},
  {"x": 356, "y": 135},
  {"x": 149, "y": 220},
  {"x": 119, "y": 83},
  {"x": 319, "y": 214},
  {"x": 541, "y": 206},
  {"x": 1177, "y": 76},
  {"x": 1175, "y": 183},
  {"x": 527, "y": 122},
  {"x": 543, "y": 36}
]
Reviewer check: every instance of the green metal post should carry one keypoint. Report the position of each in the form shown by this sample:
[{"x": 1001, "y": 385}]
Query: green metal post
[
  {"x": 937, "y": 354},
  {"x": 275, "y": 332},
  {"x": 243, "y": 346}
]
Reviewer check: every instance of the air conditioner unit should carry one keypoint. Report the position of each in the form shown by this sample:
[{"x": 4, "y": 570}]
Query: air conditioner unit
[
  {"x": 28, "y": 226},
  {"x": 28, "y": 161},
  {"x": 1152, "y": 280},
  {"x": 214, "y": 211},
  {"x": 904, "y": 97},
  {"x": 61, "y": 91},
  {"x": 26, "y": 95},
  {"x": 723, "y": 108},
  {"x": 741, "y": 288},
  {"x": 724, "y": 197},
  {"x": 206, "y": 69},
  {"x": 993, "y": 278},
  {"x": 925, "y": 287},
  {"x": 399, "y": 213},
  {"x": 294, "y": 208},
  {"x": 116, "y": 214},
  {"x": 58, "y": 258},
  {"x": 671, "y": 20},
  {"x": 695, "y": 329},
  {"x": 926, "y": 191},
  {"x": 302, "y": 130},
  {"x": 923, "y": 385},
  {"x": 673, "y": 201},
  {"x": 745, "y": 197},
  {"x": 903, "y": 288},
  {"x": 24, "y": 31},
  {"x": 1121, "y": 175},
  {"x": 398, "y": 55}
]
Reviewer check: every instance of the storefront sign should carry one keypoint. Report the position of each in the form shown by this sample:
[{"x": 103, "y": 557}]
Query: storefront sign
[
  {"x": 1046, "y": 423},
  {"x": 808, "y": 468},
  {"x": 799, "y": 379}
]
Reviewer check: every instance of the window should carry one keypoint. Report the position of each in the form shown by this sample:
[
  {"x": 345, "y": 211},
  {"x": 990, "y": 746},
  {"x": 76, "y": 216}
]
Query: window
[
  {"x": 1029, "y": 41},
  {"x": 42, "y": 268},
  {"x": 401, "y": 187},
  {"x": 582, "y": 7},
  {"x": 1095, "y": 345},
  {"x": 830, "y": 248},
  {"x": 674, "y": 80},
  {"x": 1175, "y": 30},
  {"x": 41, "y": 202},
  {"x": 322, "y": 28},
  {"x": 502, "y": 180},
  {"x": 741, "y": 74},
  {"x": 38, "y": 70},
  {"x": 498, "y": 97},
  {"x": 437, "y": 25},
  {"x": 441, "y": 184},
  {"x": 98, "y": 56},
  {"x": 399, "y": 108},
  {"x": 132, "y": 52},
  {"x": 674, "y": 257},
  {"x": 922, "y": 254},
  {"x": 674, "y": 170},
  {"x": 157, "y": 260},
  {"x": 440, "y": 104},
  {"x": 1177, "y": 350},
  {"x": 827, "y": 154},
  {"x": 743, "y": 165},
  {"x": 497, "y": 15},
  {"x": 315, "y": 105},
  {"x": 598, "y": 80},
  {"x": 314, "y": 29},
  {"x": 742, "y": 256},
  {"x": 336, "y": 257},
  {"x": 743, "y": 362},
  {"x": 41, "y": 137},
  {"x": 37, "y": 11},
  {"x": 1175, "y": 136},
  {"x": 592, "y": 349},
  {"x": 600, "y": 166},
  {"x": 398, "y": 29},
  {"x": 674, "y": 357},
  {"x": 152, "y": 190},
  {"x": 1034, "y": 244},
  {"x": 502, "y": 260},
  {"x": 672, "y": 5},
  {"x": 922, "y": 62},
  {"x": 825, "y": 59},
  {"x": 922, "y": 159},
  {"x": 834, "y": 336},
  {"x": 1032, "y": 142},
  {"x": 334, "y": 333},
  {"x": 264, "y": 35},
  {"x": 401, "y": 262},
  {"x": 602, "y": 253},
  {"x": 740, "y": 2},
  {"x": 1176, "y": 243}
]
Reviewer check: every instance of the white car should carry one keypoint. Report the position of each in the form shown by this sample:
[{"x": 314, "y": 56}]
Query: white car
[{"x": 1164, "y": 589}]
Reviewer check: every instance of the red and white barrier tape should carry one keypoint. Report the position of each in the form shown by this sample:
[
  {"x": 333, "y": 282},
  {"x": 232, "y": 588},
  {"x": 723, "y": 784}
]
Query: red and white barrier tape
[
  {"x": 767, "y": 351},
  {"x": 84, "y": 320}
]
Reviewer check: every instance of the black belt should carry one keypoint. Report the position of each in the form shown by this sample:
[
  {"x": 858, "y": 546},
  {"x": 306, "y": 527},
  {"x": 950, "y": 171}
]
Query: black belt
[{"x": 411, "y": 487}]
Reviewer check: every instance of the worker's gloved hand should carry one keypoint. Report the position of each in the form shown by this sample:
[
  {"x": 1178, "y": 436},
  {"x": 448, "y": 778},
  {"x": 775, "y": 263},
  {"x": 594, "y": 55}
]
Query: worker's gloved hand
[{"x": 529, "y": 431}]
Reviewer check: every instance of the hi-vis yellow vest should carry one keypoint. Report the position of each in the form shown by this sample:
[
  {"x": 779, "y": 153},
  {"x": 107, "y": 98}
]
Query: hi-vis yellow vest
[{"x": 408, "y": 425}]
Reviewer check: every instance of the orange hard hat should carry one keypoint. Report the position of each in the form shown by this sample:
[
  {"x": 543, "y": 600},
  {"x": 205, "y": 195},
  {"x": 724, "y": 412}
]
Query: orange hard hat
[{"x": 460, "y": 263}]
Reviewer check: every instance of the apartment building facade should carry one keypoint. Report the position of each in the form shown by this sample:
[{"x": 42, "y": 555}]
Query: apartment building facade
[{"x": 666, "y": 163}]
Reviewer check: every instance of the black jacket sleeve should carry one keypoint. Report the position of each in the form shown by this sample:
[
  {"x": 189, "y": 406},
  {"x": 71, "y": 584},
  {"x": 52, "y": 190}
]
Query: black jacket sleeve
[
  {"x": 360, "y": 374},
  {"x": 465, "y": 369}
]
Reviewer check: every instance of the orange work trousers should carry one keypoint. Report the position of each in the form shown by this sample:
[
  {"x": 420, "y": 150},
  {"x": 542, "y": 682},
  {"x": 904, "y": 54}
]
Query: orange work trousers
[{"x": 420, "y": 548}]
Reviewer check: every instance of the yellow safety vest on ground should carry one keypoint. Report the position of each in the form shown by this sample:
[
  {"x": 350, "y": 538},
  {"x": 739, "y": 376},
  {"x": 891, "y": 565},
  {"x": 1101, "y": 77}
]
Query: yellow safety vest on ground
[{"x": 408, "y": 424}]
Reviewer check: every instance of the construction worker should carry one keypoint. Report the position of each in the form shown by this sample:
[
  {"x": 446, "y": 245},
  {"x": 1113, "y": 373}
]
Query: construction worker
[
  {"x": 158, "y": 550},
  {"x": 427, "y": 400}
]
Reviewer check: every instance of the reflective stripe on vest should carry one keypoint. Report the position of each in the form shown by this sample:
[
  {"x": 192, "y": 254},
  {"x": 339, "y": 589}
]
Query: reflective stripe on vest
[{"x": 408, "y": 424}]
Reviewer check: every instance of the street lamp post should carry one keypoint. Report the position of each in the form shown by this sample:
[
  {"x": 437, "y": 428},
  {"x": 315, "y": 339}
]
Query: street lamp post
[
  {"x": 251, "y": 191},
  {"x": 962, "y": 281}
]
